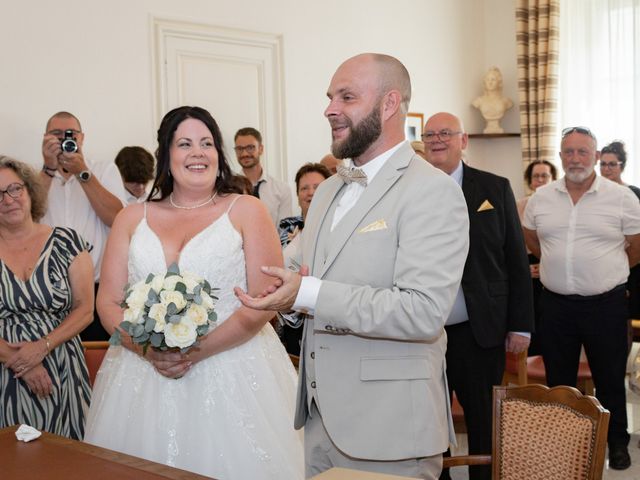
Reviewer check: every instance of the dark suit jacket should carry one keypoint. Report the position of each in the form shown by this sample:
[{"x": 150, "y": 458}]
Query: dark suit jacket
[{"x": 496, "y": 280}]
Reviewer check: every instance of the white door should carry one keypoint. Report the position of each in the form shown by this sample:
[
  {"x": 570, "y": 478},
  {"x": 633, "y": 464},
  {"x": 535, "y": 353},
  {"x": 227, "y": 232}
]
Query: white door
[{"x": 235, "y": 74}]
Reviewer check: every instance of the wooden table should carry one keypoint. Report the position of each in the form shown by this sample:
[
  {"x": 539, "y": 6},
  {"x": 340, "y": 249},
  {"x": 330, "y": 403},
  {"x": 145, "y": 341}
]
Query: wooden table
[{"x": 54, "y": 457}]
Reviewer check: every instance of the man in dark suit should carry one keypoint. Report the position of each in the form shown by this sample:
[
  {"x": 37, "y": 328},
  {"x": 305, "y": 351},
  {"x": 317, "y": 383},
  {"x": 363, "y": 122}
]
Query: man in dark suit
[{"x": 493, "y": 311}]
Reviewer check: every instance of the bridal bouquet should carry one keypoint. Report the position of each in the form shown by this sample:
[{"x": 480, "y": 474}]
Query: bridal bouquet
[{"x": 167, "y": 311}]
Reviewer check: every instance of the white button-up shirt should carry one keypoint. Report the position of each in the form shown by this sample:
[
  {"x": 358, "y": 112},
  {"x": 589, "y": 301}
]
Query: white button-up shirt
[
  {"x": 68, "y": 206},
  {"x": 310, "y": 286},
  {"x": 583, "y": 245}
]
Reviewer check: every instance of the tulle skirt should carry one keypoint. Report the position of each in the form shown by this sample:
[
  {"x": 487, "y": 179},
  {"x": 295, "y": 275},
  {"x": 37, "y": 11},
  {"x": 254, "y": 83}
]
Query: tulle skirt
[{"x": 229, "y": 417}]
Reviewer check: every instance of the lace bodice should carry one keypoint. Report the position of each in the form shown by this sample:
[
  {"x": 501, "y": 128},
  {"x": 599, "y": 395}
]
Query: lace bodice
[{"x": 215, "y": 253}]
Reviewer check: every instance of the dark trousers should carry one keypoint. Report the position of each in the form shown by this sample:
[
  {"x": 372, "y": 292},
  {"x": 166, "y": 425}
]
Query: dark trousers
[
  {"x": 472, "y": 371},
  {"x": 600, "y": 324},
  {"x": 94, "y": 330}
]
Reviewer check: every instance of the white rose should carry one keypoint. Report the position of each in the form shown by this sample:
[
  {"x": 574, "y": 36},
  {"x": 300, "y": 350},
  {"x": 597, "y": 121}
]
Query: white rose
[
  {"x": 197, "y": 314},
  {"x": 181, "y": 335},
  {"x": 207, "y": 301},
  {"x": 133, "y": 315},
  {"x": 191, "y": 281},
  {"x": 138, "y": 296},
  {"x": 177, "y": 298},
  {"x": 169, "y": 283},
  {"x": 157, "y": 312},
  {"x": 157, "y": 283}
]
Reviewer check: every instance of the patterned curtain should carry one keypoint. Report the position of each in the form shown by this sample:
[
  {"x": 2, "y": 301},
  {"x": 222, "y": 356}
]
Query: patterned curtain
[{"x": 537, "y": 46}]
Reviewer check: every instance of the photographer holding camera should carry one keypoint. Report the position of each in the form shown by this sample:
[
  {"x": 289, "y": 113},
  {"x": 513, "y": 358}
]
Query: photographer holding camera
[{"x": 80, "y": 195}]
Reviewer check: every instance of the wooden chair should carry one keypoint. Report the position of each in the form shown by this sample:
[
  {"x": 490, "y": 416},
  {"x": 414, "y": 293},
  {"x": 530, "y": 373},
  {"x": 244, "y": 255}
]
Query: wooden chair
[
  {"x": 542, "y": 433},
  {"x": 523, "y": 370},
  {"x": 94, "y": 353}
]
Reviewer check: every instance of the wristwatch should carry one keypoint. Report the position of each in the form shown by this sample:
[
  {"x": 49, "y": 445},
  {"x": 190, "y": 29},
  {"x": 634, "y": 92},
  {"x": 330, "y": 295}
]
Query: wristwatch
[{"x": 84, "y": 176}]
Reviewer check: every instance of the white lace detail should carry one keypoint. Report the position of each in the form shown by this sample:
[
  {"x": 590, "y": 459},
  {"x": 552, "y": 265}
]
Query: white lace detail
[
  {"x": 231, "y": 415},
  {"x": 215, "y": 253}
]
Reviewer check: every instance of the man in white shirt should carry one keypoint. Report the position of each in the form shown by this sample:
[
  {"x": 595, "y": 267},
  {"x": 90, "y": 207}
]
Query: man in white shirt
[
  {"x": 385, "y": 245},
  {"x": 81, "y": 196},
  {"x": 275, "y": 194},
  {"x": 586, "y": 231}
]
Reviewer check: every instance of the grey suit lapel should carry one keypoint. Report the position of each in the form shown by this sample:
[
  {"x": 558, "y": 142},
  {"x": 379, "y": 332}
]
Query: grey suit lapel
[{"x": 386, "y": 177}]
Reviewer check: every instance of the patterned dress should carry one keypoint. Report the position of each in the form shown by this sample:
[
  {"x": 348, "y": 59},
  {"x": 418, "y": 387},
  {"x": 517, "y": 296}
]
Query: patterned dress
[{"x": 28, "y": 311}]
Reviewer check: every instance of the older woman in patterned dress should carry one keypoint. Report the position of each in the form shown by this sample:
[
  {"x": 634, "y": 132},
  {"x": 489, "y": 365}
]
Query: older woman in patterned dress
[{"x": 46, "y": 299}]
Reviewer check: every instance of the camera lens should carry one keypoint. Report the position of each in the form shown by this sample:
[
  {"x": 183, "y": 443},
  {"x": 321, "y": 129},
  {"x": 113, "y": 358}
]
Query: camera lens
[{"x": 69, "y": 145}]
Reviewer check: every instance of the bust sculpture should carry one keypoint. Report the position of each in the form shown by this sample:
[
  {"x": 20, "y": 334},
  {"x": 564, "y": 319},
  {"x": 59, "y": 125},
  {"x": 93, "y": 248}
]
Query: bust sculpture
[{"x": 492, "y": 104}]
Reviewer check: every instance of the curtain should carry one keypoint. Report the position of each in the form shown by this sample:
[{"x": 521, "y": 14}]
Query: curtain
[
  {"x": 537, "y": 24},
  {"x": 600, "y": 72}
]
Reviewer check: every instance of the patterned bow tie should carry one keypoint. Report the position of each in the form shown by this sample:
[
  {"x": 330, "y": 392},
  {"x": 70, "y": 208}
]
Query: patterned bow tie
[{"x": 352, "y": 174}]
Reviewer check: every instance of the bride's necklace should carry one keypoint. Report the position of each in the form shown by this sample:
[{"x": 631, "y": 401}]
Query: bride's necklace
[{"x": 182, "y": 207}]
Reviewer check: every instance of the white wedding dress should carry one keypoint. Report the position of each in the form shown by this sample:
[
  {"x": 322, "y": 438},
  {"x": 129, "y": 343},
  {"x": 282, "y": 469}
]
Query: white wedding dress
[{"x": 231, "y": 416}]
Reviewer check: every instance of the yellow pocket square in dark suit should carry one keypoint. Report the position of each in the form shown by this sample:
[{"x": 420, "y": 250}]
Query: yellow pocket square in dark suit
[
  {"x": 372, "y": 227},
  {"x": 486, "y": 205}
]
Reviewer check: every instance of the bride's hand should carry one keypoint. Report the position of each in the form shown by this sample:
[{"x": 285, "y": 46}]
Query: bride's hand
[{"x": 169, "y": 364}]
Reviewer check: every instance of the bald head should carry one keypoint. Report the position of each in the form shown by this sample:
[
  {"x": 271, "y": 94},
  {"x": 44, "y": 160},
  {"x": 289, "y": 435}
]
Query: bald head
[
  {"x": 65, "y": 116},
  {"x": 444, "y": 141},
  {"x": 330, "y": 162}
]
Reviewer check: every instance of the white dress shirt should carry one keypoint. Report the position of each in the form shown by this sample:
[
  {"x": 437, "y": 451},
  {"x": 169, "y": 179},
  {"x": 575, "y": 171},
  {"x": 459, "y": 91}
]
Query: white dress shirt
[
  {"x": 583, "y": 245},
  {"x": 276, "y": 195},
  {"x": 310, "y": 286},
  {"x": 68, "y": 206}
]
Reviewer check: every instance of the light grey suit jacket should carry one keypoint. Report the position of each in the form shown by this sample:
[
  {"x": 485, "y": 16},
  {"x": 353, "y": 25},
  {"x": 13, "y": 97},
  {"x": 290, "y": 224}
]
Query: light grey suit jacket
[{"x": 375, "y": 350}]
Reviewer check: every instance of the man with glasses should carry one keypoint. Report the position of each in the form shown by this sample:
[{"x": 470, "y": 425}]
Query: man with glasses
[
  {"x": 275, "y": 194},
  {"x": 586, "y": 232},
  {"x": 81, "y": 195},
  {"x": 493, "y": 310}
]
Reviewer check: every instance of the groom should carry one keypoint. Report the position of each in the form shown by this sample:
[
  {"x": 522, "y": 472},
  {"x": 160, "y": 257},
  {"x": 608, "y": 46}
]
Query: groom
[{"x": 385, "y": 252}]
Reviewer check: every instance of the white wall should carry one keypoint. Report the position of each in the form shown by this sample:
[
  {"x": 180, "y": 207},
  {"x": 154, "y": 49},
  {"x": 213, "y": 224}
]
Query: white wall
[{"x": 94, "y": 59}]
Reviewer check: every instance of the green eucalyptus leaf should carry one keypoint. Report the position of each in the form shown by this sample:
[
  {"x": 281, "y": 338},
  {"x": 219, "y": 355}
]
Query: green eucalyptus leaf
[
  {"x": 174, "y": 269},
  {"x": 116, "y": 338},
  {"x": 150, "y": 278},
  {"x": 137, "y": 330},
  {"x": 175, "y": 319},
  {"x": 172, "y": 309},
  {"x": 181, "y": 287},
  {"x": 156, "y": 339},
  {"x": 149, "y": 324}
]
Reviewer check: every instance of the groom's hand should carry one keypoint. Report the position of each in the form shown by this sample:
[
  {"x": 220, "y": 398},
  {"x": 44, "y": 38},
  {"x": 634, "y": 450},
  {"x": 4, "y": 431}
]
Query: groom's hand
[{"x": 281, "y": 296}]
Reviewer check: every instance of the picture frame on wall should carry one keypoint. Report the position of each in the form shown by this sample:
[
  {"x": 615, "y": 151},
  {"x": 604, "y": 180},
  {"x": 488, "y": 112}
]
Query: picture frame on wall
[{"x": 413, "y": 126}]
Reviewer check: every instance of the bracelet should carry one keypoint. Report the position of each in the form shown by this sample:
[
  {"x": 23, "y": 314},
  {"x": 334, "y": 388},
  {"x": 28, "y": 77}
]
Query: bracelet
[
  {"x": 48, "y": 343},
  {"x": 49, "y": 171}
]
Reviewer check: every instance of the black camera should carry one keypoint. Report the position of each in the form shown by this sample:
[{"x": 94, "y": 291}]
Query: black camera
[{"x": 69, "y": 143}]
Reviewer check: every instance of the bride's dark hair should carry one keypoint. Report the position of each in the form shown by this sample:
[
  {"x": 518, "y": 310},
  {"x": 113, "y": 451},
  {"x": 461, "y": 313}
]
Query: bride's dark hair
[{"x": 163, "y": 182}]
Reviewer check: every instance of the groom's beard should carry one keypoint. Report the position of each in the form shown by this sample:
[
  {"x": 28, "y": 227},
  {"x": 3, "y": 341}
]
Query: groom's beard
[{"x": 361, "y": 136}]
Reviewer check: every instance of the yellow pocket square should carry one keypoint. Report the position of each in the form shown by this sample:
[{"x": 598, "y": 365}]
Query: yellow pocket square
[
  {"x": 486, "y": 205},
  {"x": 372, "y": 227}
]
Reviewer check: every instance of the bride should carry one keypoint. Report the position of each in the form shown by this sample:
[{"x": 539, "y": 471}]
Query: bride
[{"x": 225, "y": 408}]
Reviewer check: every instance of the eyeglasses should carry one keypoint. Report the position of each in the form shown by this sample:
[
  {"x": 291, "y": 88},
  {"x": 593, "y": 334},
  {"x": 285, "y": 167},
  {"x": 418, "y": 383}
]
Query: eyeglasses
[
  {"x": 582, "y": 130},
  {"x": 14, "y": 190},
  {"x": 442, "y": 135},
  {"x": 249, "y": 149},
  {"x": 60, "y": 133},
  {"x": 540, "y": 176},
  {"x": 609, "y": 164}
]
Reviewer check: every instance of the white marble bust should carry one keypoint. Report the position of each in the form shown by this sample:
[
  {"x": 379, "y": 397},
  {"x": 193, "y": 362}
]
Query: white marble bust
[{"x": 492, "y": 104}]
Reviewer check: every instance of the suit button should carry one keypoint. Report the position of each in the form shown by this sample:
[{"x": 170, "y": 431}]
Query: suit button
[
  {"x": 328, "y": 327},
  {"x": 313, "y": 384},
  {"x": 313, "y": 354}
]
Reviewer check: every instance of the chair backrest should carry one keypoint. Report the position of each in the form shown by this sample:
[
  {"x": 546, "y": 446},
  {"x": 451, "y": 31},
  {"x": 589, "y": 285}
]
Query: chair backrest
[
  {"x": 94, "y": 352},
  {"x": 546, "y": 433}
]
